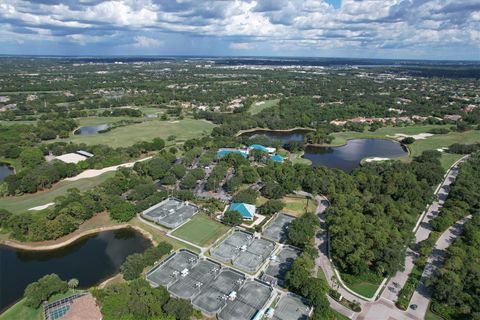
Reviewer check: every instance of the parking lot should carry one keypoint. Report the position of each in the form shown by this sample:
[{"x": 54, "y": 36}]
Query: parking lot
[{"x": 170, "y": 213}]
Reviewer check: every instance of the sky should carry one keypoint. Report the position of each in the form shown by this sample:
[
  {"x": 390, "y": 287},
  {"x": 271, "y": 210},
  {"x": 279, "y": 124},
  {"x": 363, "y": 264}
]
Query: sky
[{"x": 396, "y": 29}]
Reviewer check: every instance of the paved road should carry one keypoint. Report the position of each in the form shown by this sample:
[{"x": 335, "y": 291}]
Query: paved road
[
  {"x": 421, "y": 296},
  {"x": 398, "y": 281}
]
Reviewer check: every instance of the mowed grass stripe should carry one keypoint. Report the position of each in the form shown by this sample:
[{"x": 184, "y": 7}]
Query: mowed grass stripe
[{"x": 201, "y": 230}]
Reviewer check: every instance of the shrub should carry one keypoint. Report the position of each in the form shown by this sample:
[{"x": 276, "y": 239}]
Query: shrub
[{"x": 41, "y": 290}]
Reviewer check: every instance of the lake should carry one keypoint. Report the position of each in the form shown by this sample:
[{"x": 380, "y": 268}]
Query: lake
[
  {"x": 5, "y": 170},
  {"x": 87, "y": 130},
  {"x": 348, "y": 156},
  {"x": 281, "y": 136},
  {"x": 91, "y": 260}
]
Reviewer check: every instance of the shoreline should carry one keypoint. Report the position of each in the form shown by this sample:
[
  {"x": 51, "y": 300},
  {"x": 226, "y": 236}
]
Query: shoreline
[{"x": 30, "y": 246}]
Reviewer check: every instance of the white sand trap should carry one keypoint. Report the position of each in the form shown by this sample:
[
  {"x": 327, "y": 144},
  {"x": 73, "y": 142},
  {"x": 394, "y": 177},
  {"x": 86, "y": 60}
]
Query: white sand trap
[
  {"x": 176, "y": 121},
  {"x": 420, "y": 136},
  {"x": 45, "y": 206},
  {"x": 442, "y": 149},
  {"x": 90, "y": 173},
  {"x": 373, "y": 159},
  {"x": 260, "y": 103}
]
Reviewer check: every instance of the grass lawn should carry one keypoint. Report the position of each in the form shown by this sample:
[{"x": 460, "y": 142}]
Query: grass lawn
[
  {"x": 159, "y": 236},
  {"x": 366, "y": 289},
  {"x": 23, "y": 203},
  {"x": 429, "y": 315},
  {"x": 295, "y": 205},
  {"x": 365, "y": 285},
  {"x": 201, "y": 230},
  {"x": 146, "y": 131},
  {"x": 258, "y": 106},
  {"x": 21, "y": 311},
  {"x": 339, "y": 316}
]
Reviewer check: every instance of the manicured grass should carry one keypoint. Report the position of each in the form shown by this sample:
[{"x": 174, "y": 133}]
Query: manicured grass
[
  {"x": 21, "y": 311},
  {"x": 429, "y": 315},
  {"x": 339, "y": 316},
  {"x": 146, "y": 131},
  {"x": 159, "y": 236},
  {"x": 366, "y": 285},
  {"x": 258, "y": 106},
  {"x": 295, "y": 205},
  {"x": 23, "y": 203},
  {"x": 201, "y": 230},
  {"x": 366, "y": 289}
]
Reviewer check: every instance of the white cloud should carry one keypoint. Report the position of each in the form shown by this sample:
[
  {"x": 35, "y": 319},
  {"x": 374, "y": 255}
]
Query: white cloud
[
  {"x": 314, "y": 24},
  {"x": 241, "y": 46},
  {"x": 145, "y": 42}
]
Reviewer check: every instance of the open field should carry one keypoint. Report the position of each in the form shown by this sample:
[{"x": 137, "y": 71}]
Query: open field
[
  {"x": 258, "y": 106},
  {"x": 23, "y": 203},
  {"x": 295, "y": 205},
  {"x": 146, "y": 131},
  {"x": 201, "y": 230}
]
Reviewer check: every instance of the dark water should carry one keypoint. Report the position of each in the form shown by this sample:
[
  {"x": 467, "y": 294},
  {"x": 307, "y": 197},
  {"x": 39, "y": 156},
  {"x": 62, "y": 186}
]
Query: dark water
[
  {"x": 281, "y": 136},
  {"x": 86, "y": 130},
  {"x": 91, "y": 260},
  {"x": 5, "y": 171},
  {"x": 348, "y": 157}
]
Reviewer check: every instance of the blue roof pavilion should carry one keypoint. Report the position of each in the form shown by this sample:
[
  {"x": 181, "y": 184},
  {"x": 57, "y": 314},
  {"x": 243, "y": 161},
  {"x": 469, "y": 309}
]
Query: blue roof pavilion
[{"x": 247, "y": 211}]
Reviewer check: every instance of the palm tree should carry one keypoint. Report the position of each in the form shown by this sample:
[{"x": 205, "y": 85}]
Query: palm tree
[{"x": 73, "y": 283}]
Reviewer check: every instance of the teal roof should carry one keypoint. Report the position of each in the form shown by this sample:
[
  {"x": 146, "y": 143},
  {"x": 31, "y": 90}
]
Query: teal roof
[
  {"x": 277, "y": 158},
  {"x": 246, "y": 210},
  {"x": 259, "y": 147},
  {"x": 223, "y": 153}
]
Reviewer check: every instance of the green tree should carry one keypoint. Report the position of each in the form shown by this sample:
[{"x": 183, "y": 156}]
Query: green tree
[
  {"x": 181, "y": 309},
  {"x": 133, "y": 266},
  {"x": 270, "y": 207},
  {"x": 233, "y": 217},
  {"x": 39, "y": 291},
  {"x": 31, "y": 157},
  {"x": 122, "y": 211}
]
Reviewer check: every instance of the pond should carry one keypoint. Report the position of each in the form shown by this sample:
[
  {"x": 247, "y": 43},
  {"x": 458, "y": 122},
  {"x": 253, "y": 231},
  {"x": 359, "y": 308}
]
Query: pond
[
  {"x": 348, "y": 156},
  {"x": 5, "y": 170},
  {"x": 87, "y": 130},
  {"x": 91, "y": 260},
  {"x": 281, "y": 136}
]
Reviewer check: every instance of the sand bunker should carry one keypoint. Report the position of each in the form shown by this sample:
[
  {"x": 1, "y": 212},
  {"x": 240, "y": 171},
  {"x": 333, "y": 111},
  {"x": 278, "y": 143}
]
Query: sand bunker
[
  {"x": 420, "y": 136},
  {"x": 373, "y": 159},
  {"x": 45, "y": 206},
  {"x": 90, "y": 173}
]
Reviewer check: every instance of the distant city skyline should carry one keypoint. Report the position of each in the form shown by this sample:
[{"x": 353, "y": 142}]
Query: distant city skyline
[{"x": 387, "y": 29}]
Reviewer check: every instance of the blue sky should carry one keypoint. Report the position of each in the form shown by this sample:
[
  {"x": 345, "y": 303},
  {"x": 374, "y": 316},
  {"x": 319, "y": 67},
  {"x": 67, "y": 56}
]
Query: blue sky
[{"x": 415, "y": 29}]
